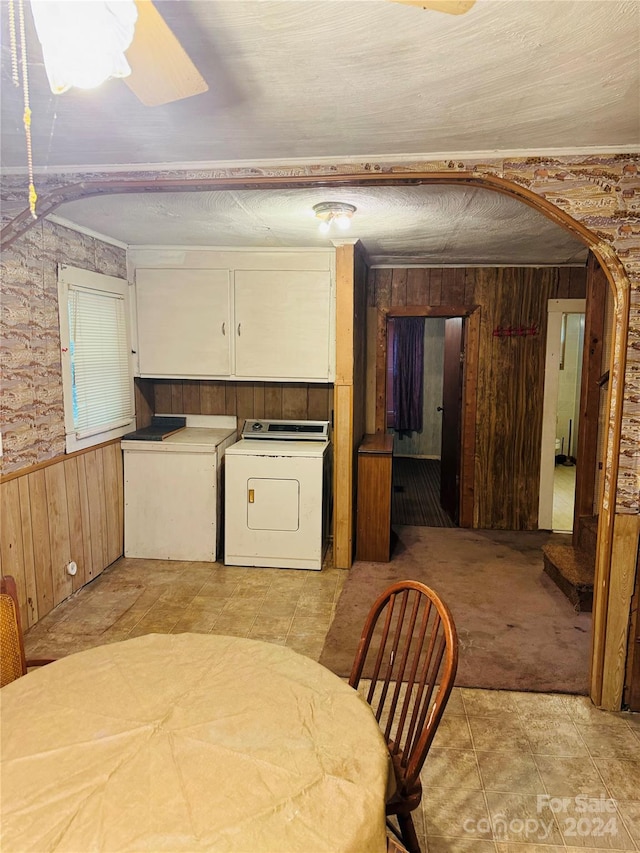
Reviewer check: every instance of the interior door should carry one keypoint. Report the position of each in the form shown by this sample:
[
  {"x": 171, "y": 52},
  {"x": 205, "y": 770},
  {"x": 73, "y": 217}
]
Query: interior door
[{"x": 451, "y": 417}]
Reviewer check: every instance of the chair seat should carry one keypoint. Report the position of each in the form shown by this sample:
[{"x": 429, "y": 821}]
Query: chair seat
[{"x": 12, "y": 658}]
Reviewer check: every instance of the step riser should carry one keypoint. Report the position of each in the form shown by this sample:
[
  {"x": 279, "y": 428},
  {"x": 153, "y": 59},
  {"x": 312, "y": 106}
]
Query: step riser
[{"x": 580, "y": 596}]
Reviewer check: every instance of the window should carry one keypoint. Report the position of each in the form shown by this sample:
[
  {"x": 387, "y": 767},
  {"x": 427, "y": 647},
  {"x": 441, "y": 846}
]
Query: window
[{"x": 97, "y": 374}]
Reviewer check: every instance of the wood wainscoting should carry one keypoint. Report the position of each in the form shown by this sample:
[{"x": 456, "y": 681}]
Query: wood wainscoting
[
  {"x": 69, "y": 508},
  {"x": 299, "y": 400}
]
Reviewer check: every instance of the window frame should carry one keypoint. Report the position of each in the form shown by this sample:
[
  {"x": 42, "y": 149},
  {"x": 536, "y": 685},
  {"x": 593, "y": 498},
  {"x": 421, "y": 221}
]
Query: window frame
[{"x": 69, "y": 279}]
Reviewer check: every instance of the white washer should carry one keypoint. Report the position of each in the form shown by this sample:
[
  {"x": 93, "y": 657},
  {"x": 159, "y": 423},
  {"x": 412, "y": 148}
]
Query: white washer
[
  {"x": 173, "y": 491},
  {"x": 277, "y": 495}
]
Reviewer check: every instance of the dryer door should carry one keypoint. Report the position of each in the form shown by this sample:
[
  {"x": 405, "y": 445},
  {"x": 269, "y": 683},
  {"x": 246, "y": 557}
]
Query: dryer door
[{"x": 273, "y": 504}]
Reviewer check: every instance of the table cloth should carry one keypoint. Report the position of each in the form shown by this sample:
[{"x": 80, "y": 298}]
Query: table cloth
[{"x": 190, "y": 742}]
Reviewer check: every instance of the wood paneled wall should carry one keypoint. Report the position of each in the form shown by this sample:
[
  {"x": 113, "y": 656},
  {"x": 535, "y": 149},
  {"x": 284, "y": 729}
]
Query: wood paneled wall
[
  {"x": 510, "y": 395},
  {"x": 510, "y": 371},
  {"x": 397, "y": 287},
  {"x": 71, "y": 509},
  {"x": 300, "y": 400}
]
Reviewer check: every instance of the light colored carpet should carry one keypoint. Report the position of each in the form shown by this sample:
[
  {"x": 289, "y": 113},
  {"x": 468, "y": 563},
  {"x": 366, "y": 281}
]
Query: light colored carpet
[{"x": 517, "y": 631}]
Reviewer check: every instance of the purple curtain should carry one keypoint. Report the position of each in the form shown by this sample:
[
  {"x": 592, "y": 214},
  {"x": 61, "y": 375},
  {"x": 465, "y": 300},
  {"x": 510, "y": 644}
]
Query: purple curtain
[{"x": 408, "y": 371}]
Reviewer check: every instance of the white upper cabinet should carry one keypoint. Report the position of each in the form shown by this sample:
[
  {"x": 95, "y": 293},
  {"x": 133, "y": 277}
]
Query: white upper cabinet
[
  {"x": 250, "y": 315},
  {"x": 282, "y": 324},
  {"x": 184, "y": 322}
]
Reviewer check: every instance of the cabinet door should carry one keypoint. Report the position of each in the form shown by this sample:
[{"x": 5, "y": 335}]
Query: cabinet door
[
  {"x": 183, "y": 322},
  {"x": 282, "y": 323}
]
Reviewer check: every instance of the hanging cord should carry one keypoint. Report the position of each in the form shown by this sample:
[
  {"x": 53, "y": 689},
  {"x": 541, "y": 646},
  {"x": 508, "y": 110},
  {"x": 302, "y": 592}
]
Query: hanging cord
[
  {"x": 15, "y": 78},
  {"x": 33, "y": 196}
]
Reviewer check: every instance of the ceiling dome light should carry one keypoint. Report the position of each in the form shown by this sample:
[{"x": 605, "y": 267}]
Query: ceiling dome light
[
  {"x": 334, "y": 211},
  {"x": 83, "y": 44}
]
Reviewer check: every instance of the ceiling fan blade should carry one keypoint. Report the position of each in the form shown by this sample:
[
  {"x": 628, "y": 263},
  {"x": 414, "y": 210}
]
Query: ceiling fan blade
[
  {"x": 161, "y": 70},
  {"x": 453, "y": 7}
]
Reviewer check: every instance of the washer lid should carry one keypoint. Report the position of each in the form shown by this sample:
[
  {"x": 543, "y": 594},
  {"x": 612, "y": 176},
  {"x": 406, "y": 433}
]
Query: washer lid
[{"x": 274, "y": 430}]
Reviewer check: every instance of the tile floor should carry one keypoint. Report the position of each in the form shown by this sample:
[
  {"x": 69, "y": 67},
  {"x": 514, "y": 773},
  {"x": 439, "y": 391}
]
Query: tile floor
[
  {"x": 507, "y": 773},
  {"x": 564, "y": 492}
]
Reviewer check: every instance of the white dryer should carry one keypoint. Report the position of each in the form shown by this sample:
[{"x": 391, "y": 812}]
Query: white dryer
[{"x": 278, "y": 495}]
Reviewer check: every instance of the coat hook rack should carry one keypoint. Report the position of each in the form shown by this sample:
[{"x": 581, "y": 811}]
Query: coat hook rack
[{"x": 516, "y": 332}]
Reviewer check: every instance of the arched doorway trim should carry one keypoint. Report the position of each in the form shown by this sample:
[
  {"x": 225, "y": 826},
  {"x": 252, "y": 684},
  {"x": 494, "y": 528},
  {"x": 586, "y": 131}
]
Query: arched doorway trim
[{"x": 56, "y": 193}]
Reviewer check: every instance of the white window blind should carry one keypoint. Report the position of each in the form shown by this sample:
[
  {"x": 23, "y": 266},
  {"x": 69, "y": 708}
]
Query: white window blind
[
  {"x": 100, "y": 369},
  {"x": 97, "y": 371}
]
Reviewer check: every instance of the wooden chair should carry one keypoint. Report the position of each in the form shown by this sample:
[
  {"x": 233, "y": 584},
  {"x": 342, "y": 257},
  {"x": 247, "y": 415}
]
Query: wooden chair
[
  {"x": 409, "y": 650},
  {"x": 13, "y": 663}
]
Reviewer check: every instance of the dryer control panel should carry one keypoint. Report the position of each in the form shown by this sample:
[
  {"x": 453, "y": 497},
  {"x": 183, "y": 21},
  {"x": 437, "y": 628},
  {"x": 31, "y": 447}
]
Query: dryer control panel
[{"x": 286, "y": 430}]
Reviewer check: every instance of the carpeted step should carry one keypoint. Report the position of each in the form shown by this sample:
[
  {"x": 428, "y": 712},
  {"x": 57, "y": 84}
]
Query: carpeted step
[{"x": 572, "y": 570}]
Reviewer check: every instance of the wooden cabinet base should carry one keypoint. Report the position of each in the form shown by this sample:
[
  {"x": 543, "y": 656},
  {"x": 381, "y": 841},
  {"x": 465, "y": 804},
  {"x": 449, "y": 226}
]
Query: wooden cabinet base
[{"x": 373, "y": 533}]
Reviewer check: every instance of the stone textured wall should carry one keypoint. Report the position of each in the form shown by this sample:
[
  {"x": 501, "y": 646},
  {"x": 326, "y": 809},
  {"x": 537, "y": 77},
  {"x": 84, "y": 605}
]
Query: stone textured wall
[{"x": 31, "y": 405}]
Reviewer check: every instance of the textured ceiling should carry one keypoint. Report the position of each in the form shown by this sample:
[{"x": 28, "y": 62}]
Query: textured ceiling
[
  {"x": 340, "y": 79},
  {"x": 418, "y": 225}
]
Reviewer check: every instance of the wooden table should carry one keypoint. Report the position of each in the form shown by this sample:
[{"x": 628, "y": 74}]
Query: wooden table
[{"x": 190, "y": 742}]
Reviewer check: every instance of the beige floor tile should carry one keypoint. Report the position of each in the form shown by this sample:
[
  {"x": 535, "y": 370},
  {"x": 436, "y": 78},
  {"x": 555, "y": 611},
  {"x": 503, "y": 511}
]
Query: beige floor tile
[
  {"x": 440, "y": 844},
  {"x": 487, "y": 703},
  {"x": 561, "y": 738},
  {"x": 279, "y": 605},
  {"x": 234, "y": 624},
  {"x": 566, "y": 776},
  {"x": 288, "y": 580},
  {"x": 417, "y": 816},
  {"x": 309, "y": 646},
  {"x": 453, "y": 733},
  {"x": 519, "y": 818},
  {"x": 306, "y": 607},
  {"x": 250, "y": 593},
  {"x": 621, "y": 777},
  {"x": 500, "y": 733},
  {"x": 514, "y": 847},
  {"x": 609, "y": 741},
  {"x": 274, "y": 629},
  {"x": 451, "y": 768},
  {"x": 456, "y": 814},
  {"x": 541, "y": 706},
  {"x": 197, "y": 623},
  {"x": 509, "y": 772},
  {"x": 586, "y": 830},
  {"x": 155, "y": 624},
  {"x": 310, "y": 626},
  {"x": 454, "y": 703},
  {"x": 582, "y": 710},
  {"x": 241, "y": 607},
  {"x": 591, "y": 849},
  {"x": 630, "y": 812},
  {"x": 632, "y": 720}
]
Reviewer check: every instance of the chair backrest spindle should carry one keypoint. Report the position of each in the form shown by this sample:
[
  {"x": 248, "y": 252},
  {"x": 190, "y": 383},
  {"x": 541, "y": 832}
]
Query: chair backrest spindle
[{"x": 412, "y": 661}]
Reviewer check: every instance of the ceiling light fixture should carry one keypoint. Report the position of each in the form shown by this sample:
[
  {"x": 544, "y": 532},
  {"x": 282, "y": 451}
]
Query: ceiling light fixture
[
  {"x": 334, "y": 211},
  {"x": 83, "y": 44}
]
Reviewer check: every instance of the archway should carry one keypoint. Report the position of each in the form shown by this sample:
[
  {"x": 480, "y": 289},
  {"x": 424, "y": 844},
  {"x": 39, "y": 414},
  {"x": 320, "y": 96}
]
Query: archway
[{"x": 53, "y": 194}]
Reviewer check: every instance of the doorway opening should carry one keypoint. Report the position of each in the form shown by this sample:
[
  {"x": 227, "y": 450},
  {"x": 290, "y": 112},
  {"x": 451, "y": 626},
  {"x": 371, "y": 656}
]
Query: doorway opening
[
  {"x": 424, "y": 366},
  {"x": 561, "y": 414}
]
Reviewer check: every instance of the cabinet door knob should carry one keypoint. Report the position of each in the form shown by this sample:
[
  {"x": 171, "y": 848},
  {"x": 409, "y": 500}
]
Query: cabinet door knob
[
  {"x": 224, "y": 328},
  {"x": 239, "y": 325}
]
